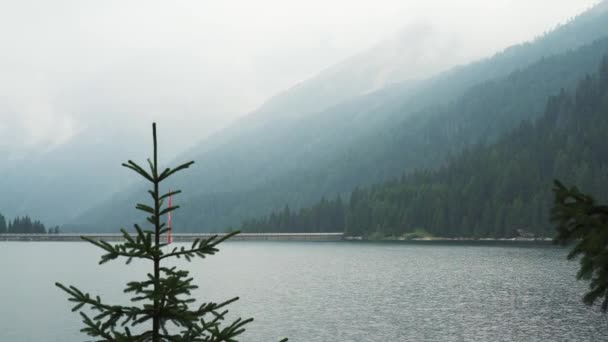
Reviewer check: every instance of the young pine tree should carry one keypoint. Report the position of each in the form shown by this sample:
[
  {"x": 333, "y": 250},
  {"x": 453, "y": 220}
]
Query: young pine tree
[
  {"x": 581, "y": 220},
  {"x": 161, "y": 308}
]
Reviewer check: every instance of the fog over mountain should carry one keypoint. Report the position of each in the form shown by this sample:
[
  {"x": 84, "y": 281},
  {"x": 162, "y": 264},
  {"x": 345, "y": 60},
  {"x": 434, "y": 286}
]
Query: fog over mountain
[
  {"x": 322, "y": 137},
  {"x": 74, "y": 63},
  {"x": 82, "y": 80}
]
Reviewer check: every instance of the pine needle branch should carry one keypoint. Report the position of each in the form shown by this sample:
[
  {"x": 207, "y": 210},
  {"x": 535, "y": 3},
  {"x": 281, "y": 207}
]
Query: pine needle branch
[
  {"x": 580, "y": 220},
  {"x": 200, "y": 247}
]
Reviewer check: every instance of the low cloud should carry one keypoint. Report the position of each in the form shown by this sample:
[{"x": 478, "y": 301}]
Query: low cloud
[{"x": 68, "y": 65}]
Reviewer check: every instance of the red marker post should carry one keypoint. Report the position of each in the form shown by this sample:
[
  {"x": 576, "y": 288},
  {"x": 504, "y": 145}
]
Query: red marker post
[{"x": 169, "y": 221}]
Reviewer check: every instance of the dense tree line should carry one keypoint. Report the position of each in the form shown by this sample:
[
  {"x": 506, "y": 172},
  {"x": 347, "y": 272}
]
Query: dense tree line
[
  {"x": 24, "y": 225},
  {"x": 491, "y": 190},
  {"x": 325, "y": 216},
  {"x": 3, "y": 226}
]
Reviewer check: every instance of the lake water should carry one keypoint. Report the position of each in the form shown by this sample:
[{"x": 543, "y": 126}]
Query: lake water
[{"x": 327, "y": 291}]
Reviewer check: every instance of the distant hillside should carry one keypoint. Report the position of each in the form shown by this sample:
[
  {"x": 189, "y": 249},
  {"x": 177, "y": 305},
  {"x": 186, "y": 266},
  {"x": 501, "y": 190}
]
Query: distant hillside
[
  {"x": 57, "y": 185},
  {"x": 300, "y": 145},
  {"x": 86, "y": 168},
  {"x": 485, "y": 191},
  {"x": 97, "y": 150}
]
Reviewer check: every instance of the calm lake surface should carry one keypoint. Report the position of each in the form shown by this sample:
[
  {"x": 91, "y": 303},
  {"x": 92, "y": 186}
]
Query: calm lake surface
[{"x": 327, "y": 291}]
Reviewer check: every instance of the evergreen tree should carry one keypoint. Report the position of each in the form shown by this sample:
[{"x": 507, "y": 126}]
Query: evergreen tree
[
  {"x": 25, "y": 225},
  {"x": 581, "y": 220},
  {"x": 16, "y": 227},
  {"x": 3, "y": 227},
  {"x": 165, "y": 295}
]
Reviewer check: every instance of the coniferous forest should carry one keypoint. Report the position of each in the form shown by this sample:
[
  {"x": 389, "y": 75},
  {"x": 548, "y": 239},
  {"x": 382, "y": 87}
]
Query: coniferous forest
[
  {"x": 24, "y": 225},
  {"x": 298, "y": 147},
  {"x": 490, "y": 190}
]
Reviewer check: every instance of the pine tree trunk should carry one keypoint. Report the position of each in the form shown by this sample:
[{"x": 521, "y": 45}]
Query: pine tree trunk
[{"x": 156, "y": 318}]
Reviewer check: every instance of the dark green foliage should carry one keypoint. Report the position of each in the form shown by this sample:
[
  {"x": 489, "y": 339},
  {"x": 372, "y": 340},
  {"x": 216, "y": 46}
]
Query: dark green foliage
[
  {"x": 325, "y": 216},
  {"x": 162, "y": 308},
  {"x": 25, "y": 225},
  {"x": 3, "y": 227},
  {"x": 54, "y": 230},
  {"x": 493, "y": 190},
  {"x": 581, "y": 220}
]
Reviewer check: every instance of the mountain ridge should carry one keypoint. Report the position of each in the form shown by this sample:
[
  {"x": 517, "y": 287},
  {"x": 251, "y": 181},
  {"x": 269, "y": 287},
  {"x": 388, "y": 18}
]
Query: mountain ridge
[{"x": 261, "y": 157}]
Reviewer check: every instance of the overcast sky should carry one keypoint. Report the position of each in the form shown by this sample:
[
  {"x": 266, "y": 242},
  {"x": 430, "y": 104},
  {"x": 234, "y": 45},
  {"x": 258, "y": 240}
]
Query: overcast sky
[{"x": 65, "y": 65}]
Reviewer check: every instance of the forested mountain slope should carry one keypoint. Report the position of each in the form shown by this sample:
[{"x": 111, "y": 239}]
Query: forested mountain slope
[
  {"x": 274, "y": 156},
  {"x": 486, "y": 191},
  {"x": 424, "y": 140},
  {"x": 106, "y": 137},
  {"x": 56, "y": 184}
]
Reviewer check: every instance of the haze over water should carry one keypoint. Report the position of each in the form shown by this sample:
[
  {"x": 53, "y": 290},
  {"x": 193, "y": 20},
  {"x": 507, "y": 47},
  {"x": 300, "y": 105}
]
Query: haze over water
[{"x": 317, "y": 292}]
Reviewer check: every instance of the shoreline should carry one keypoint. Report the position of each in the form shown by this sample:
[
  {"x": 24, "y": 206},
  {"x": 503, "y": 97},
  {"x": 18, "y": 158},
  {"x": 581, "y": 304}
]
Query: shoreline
[
  {"x": 446, "y": 239},
  {"x": 176, "y": 237},
  {"x": 295, "y": 237}
]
